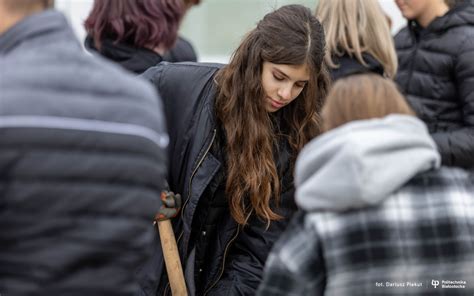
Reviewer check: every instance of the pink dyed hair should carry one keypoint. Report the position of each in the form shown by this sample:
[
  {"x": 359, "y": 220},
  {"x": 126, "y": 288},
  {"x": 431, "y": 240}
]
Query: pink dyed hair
[{"x": 141, "y": 23}]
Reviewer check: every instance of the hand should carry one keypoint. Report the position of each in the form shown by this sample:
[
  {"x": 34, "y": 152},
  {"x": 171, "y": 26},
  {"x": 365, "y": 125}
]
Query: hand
[{"x": 171, "y": 204}]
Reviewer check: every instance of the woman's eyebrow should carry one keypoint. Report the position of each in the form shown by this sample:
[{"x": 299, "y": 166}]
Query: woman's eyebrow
[{"x": 281, "y": 72}]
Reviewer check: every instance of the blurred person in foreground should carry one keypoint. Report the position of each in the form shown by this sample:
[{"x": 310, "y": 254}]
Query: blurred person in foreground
[
  {"x": 235, "y": 131},
  {"x": 358, "y": 38},
  {"x": 138, "y": 34},
  {"x": 377, "y": 207},
  {"x": 436, "y": 73},
  {"x": 82, "y": 161}
]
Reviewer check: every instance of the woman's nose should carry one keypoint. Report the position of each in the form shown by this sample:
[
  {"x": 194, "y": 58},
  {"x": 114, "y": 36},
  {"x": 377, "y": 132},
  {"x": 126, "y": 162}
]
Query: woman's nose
[{"x": 284, "y": 92}]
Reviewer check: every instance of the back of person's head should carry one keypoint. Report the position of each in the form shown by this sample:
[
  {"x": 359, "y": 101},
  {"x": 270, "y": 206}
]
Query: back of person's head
[
  {"x": 190, "y": 3},
  {"x": 290, "y": 35},
  {"x": 141, "y": 23},
  {"x": 13, "y": 11},
  {"x": 356, "y": 27},
  {"x": 22, "y": 8},
  {"x": 19, "y": 6},
  {"x": 362, "y": 96}
]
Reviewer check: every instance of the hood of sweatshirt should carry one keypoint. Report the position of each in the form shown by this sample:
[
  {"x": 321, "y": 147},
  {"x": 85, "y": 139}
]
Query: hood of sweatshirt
[{"x": 361, "y": 163}]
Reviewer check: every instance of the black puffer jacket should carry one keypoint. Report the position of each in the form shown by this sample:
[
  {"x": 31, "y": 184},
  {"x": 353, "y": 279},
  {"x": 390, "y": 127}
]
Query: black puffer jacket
[
  {"x": 436, "y": 72},
  {"x": 237, "y": 255},
  {"x": 82, "y": 160}
]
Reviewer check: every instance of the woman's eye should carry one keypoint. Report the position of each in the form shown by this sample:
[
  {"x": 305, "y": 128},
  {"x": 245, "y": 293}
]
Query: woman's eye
[
  {"x": 300, "y": 85},
  {"x": 278, "y": 77}
]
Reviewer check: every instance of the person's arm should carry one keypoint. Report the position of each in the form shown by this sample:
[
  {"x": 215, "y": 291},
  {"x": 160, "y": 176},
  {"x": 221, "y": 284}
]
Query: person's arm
[
  {"x": 457, "y": 147},
  {"x": 295, "y": 265}
]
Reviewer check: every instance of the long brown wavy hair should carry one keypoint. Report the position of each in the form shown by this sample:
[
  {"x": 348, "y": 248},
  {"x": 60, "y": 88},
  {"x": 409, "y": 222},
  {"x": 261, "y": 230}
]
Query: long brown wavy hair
[{"x": 290, "y": 35}]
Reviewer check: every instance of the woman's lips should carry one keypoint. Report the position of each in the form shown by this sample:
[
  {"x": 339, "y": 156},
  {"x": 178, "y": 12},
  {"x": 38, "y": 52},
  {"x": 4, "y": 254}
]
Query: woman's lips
[{"x": 276, "y": 104}]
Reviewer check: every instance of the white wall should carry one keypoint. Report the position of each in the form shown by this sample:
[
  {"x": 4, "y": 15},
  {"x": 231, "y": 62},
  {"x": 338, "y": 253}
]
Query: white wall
[
  {"x": 77, "y": 11},
  {"x": 393, "y": 12}
]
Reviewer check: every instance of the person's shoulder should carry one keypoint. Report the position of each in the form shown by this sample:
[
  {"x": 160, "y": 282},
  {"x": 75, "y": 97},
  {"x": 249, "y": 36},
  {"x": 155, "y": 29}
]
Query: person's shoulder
[
  {"x": 402, "y": 34},
  {"x": 445, "y": 179},
  {"x": 184, "y": 71},
  {"x": 462, "y": 35},
  {"x": 183, "y": 41},
  {"x": 69, "y": 68},
  {"x": 350, "y": 65},
  {"x": 403, "y": 39},
  {"x": 192, "y": 66},
  {"x": 302, "y": 227},
  {"x": 181, "y": 52},
  {"x": 111, "y": 78}
]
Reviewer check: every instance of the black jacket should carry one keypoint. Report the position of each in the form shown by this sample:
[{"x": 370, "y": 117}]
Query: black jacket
[
  {"x": 182, "y": 51},
  {"x": 350, "y": 65},
  {"x": 436, "y": 72},
  {"x": 138, "y": 60},
  {"x": 82, "y": 160},
  {"x": 238, "y": 254}
]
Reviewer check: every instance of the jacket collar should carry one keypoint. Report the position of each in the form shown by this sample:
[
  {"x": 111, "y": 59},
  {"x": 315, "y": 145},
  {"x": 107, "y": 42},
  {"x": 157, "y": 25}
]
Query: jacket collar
[
  {"x": 350, "y": 65},
  {"x": 33, "y": 26},
  {"x": 132, "y": 58}
]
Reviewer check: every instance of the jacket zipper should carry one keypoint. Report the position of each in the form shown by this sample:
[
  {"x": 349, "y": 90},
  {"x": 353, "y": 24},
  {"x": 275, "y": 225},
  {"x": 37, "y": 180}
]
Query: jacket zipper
[
  {"x": 189, "y": 192},
  {"x": 223, "y": 260},
  {"x": 412, "y": 66}
]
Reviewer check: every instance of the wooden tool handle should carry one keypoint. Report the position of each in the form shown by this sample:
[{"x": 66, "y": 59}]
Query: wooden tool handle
[{"x": 172, "y": 261}]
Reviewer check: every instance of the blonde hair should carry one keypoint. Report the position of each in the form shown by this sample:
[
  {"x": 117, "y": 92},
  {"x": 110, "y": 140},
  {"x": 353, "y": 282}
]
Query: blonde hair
[
  {"x": 362, "y": 96},
  {"x": 27, "y": 5},
  {"x": 356, "y": 27}
]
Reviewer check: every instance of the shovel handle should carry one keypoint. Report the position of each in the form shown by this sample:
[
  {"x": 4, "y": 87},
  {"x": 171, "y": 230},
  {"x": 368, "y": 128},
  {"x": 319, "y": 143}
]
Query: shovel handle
[{"x": 172, "y": 261}]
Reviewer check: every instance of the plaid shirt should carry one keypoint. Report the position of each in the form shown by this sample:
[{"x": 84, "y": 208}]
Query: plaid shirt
[{"x": 419, "y": 241}]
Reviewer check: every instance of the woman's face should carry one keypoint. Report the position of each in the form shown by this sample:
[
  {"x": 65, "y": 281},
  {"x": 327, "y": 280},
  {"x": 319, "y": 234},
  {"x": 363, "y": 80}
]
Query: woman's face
[
  {"x": 282, "y": 84},
  {"x": 413, "y": 9}
]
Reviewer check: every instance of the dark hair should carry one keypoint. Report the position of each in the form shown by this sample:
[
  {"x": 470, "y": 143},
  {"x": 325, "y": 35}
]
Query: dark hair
[
  {"x": 190, "y": 3},
  {"x": 290, "y": 35},
  {"x": 141, "y": 23},
  {"x": 362, "y": 96}
]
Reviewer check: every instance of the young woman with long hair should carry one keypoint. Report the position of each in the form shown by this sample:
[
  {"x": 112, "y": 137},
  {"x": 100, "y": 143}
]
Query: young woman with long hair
[
  {"x": 235, "y": 132},
  {"x": 358, "y": 38}
]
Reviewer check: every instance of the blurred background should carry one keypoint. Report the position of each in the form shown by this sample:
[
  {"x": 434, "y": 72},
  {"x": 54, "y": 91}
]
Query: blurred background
[{"x": 215, "y": 27}]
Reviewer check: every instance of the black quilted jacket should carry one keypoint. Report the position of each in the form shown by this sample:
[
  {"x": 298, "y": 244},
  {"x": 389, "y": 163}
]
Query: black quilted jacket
[{"x": 436, "y": 72}]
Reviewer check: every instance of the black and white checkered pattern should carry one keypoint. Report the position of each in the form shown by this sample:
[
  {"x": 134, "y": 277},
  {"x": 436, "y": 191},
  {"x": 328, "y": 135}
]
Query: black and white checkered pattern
[{"x": 422, "y": 233}]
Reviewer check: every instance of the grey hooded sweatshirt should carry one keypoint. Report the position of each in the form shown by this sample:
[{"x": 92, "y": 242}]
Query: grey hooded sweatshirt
[
  {"x": 362, "y": 163},
  {"x": 380, "y": 217}
]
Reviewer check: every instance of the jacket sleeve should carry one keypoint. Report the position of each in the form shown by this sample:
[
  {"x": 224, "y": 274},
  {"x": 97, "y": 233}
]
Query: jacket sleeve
[
  {"x": 457, "y": 147},
  {"x": 295, "y": 266},
  {"x": 181, "y": 88}
]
